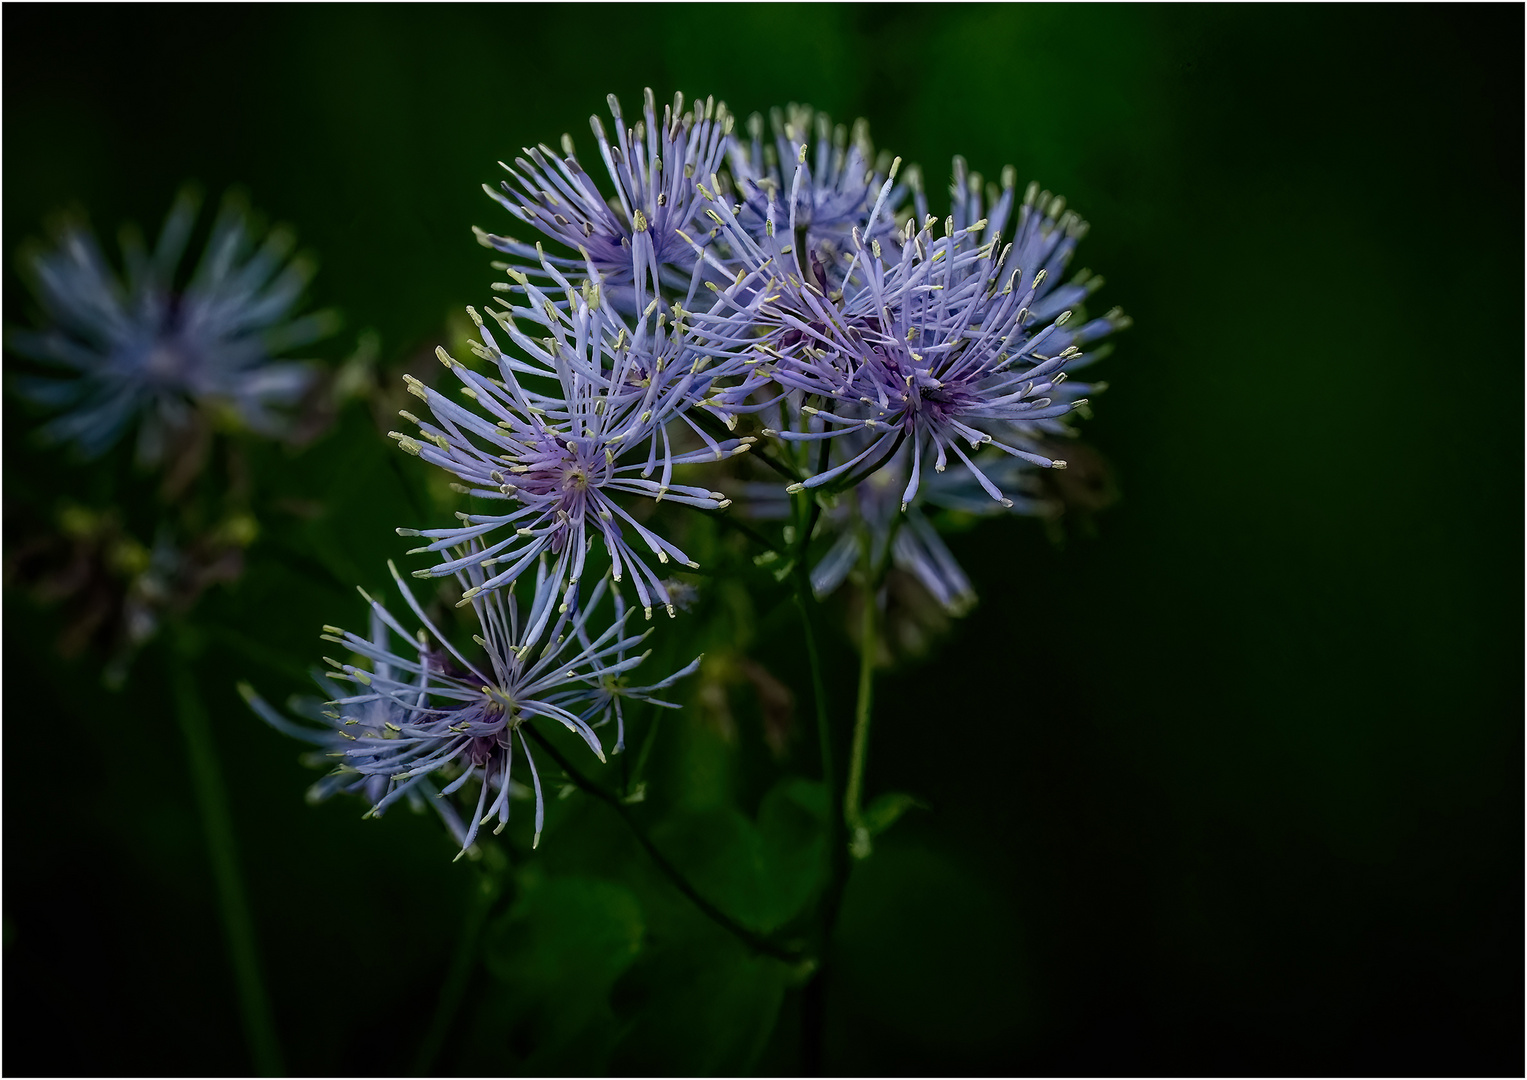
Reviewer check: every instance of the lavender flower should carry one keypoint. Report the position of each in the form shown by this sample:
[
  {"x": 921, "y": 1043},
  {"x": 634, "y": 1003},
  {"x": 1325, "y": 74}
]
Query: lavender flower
[
  {"x": 626, "y": 391},
  {"x": 833, "y": 186},
  {"x": 144, "y": 349},
  {"x": 429, "y": 710},
  {"x": 931, "y": 341},
  {"x": 873, "y": 528},
  {"x": 651, "y": 166},
  {"x": 337, "y": 729}
]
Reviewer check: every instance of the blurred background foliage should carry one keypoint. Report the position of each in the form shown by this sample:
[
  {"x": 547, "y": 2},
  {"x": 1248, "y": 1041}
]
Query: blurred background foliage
[{"x": 1226, "y": 780}]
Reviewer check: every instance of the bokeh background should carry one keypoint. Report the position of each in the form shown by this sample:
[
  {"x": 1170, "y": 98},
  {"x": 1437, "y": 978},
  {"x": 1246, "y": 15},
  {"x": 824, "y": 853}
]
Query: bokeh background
[{"x": 1228, "y": 782}]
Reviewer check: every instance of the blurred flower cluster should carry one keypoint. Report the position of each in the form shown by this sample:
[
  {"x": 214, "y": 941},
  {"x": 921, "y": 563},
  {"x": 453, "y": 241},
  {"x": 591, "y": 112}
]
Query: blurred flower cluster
[
  {"x": 188, "y": 363},
  {"x": 167, "y": 356}
]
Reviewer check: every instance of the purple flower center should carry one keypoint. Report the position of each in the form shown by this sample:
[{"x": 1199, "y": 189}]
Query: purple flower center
[
  {"x": 561, "y": 472},
  {"x": 481, "y": 750}
]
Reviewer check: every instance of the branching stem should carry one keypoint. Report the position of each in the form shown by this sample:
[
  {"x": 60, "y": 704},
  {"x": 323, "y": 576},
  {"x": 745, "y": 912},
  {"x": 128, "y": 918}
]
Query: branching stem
[
  {"x": 754, "y": 941},
  {"x": 717, "y": 429},
  {"x": 739, "y": 526}
]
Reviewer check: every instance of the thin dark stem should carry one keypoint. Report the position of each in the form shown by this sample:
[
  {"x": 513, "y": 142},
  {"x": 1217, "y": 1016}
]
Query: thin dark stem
[
  {"x": 484, "y": 892},
  {"x": 754, "y": 941},
  {"x": 396, "y": 462},
  {"x": 217, "y": 824},
  {"x": 836, "y": 844},
  {"x": 803, "y": 603},
  {"x": 812, "y": 513},
  {"x": 646, "y": 751},
  {"x": 625, "y": 776},
  {"x": 853, "y": 795},
  {"x": 814, "y": 994},
  {"x": 864, "y": 473},
  {"x": 716, "y": 429},
  {"x": 746, "y": 530},
  {"x": 783, "y": 468}
]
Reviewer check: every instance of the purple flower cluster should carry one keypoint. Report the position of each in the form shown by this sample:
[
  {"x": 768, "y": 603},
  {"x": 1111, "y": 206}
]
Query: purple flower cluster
[
  {"x": 933, "y": 357},
  {"x": 652, "y": 168},
  {"x": 710, "y": 285},
  {"x": 933, "y": 339},
  {"x": 617, "y": 405},
  {"x": 426, "y": 709},
  {"x": 698, "y": 281},
  {"x": 836, "y": 177}
]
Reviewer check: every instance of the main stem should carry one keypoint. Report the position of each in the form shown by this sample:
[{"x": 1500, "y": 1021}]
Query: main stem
[
  {"x": 485, "y": 891},
  {"x": 754, "y": 941},
  {"x": 836, "y": 841},
  {"x": 853, "y": 796},
  {"x": 217, "y": 824},
  {"x": 814, "y": 994},
  {"x": 814, "y": 997}
]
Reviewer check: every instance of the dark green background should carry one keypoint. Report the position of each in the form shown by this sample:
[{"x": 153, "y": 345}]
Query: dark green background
[{"x": 1234, "y": 785}]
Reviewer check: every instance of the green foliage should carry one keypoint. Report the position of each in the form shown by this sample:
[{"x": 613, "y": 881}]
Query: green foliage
[
  {"x": 603, "y": 968},
  {"x": 697, "y": 1005},
  {"x": 884, "y": 810},
  {"x": 763, "y": 873},
  {"x": 553, "y": 957}
]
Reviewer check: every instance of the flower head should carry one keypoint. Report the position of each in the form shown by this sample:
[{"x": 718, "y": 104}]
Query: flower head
[
  {"x": 427, "y": 710},
  {"x": 834, "y": 179},
  {"x": 934, "y": 340},
  {"x": 871, "y": 528},
  {"x": 623, "y": 392},
  {"x": 147, "y": 349},
  {"x": 651, "y": 167},
  {"x": 332, "y": 730}
]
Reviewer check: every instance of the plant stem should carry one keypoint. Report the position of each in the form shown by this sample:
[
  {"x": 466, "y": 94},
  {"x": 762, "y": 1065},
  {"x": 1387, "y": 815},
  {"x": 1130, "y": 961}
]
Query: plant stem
[
  {"x": 746, "y": 530},
  {"x": 854, "y": 794},
  {"x": 848, "y": 483},
  {"x": 646, "y": 751},
  {"x": 814, "y": 994},
  {"x": 804, "y": 600},
  {"x": 835, "y": 834},
  {"x": 217, "y": 824},
  {"x": 718, "y": 430},
  {"x": 485, "y": 892},
  {"x": 754, "y": 941}
]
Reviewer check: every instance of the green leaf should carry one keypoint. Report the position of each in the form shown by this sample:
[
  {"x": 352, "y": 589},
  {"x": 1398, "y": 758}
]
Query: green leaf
[
  {"x": 763, "y": 874},
  {"x": 566, "y": 932},
  {"x": 555, "y": 955},
  {"x": 697, "y": 1005},
  {"x": 792, "y": 825},
  {"x": 883, "y": 811},
  {"x": 697, "y": 1001}
]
